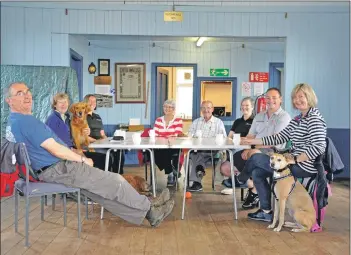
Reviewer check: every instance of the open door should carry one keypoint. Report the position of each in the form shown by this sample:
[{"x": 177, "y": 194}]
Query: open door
[
  {"x": 76, "y": 63},
  {"x": 161, "y": 90},
  {"x": 276, "y": 75}
]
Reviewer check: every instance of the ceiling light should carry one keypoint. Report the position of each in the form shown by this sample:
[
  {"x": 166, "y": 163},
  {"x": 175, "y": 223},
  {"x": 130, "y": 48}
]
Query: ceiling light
[{"x": 200, "y": 41}]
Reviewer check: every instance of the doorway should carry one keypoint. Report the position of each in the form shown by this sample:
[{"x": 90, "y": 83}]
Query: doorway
[
  {"x": 76, "y": 63},
  {"x": 276, "y": 75},
  {"x": 176, "y": 82}
]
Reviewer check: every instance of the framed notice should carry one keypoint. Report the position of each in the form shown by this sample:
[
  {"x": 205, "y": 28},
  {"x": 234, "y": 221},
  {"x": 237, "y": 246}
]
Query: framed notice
[
  {"x": 130, "y": 82},
  {"x": 104, "y": 67}
]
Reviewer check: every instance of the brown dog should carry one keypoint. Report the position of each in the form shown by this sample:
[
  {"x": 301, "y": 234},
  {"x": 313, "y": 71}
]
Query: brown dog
[
  {"x": 79, "y": 123},
  {"x": 290, "y": 193},
  {"x": 138, "y": 183}
]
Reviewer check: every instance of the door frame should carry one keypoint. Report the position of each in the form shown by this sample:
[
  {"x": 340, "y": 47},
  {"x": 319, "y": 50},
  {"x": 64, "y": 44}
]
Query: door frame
[
  {"x": 154, "y": 82},
  {"x": 76, "y": 56},
  {"x": 273, "y": 78},
  {"x": 234, "y": 93}
]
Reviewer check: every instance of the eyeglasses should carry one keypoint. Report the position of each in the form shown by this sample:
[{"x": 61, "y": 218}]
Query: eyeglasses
[
  {"x": 206, "y": 108},
  {"x": 23, "y": 93},
  {"x": 167, "y": 107}
]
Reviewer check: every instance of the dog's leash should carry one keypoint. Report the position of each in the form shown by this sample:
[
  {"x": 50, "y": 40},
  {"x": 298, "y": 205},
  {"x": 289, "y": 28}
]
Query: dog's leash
[{"x": 275, "y": 180}]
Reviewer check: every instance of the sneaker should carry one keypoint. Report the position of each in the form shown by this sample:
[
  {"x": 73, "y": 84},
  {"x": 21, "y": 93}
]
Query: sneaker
[
  {"x": 157, "y": 214},
  {"x": 195, "y": 187},
  {"x": 251, "y": 200},
  {"x": 171, "y": 179},
  {"x": 227, "y": 183},
  {"x": 92, "y": 202},
  {"x": 261, "y": 215},
  {"x": 227, "y": 191},
  {"x": 200, "y": 171},
  {"x": 161, "y": 199}
]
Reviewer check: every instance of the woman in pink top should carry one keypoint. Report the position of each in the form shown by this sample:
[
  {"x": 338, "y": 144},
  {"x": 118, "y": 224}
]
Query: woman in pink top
[{"x": 166, "y": 126}]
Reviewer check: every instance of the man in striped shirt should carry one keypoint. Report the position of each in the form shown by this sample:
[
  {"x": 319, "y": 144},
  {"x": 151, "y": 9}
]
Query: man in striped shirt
[
  {"x": 209, "y": 126},
  {"x": 307, "y": 133}
]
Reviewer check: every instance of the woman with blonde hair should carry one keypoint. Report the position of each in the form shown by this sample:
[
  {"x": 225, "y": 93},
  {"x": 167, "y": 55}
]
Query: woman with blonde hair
[
  {"x": 59, "y": 122},
  {"x": 307, "y": 134}
]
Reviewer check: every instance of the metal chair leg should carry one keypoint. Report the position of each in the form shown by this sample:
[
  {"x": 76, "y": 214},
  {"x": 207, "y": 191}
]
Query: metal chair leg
[
  {"x": 27, "y": 221},
  {"x": 53, "y": 202},
  {"x": 186, "y": 177},
  {"x": 16, "y": 210},
  {"x": 42, "y": 198},
  {"x": 119, "y": 162},
  {"x": 64, "y": 210},
  {"x": 213, "y": 172},
  {"x": 78, "y": 209},
  {"x": 145, "y": 167},
  {"x": 178, "y": 168},
  {"x": 86, "y": 207}
]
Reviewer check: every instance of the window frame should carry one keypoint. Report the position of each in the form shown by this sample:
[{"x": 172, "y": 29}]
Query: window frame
[{"x": 197, "y": 92}]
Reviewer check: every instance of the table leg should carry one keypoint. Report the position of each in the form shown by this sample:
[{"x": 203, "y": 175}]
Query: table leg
[
  {"x": 152, "y": 168},
  {"x": 231, "y": 160},
  {"x": 185, "y": 180},
  {"x": 107, "y": 161}
]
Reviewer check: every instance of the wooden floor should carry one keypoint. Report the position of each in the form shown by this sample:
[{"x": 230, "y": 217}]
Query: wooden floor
[{"x": 209, "y": 228}]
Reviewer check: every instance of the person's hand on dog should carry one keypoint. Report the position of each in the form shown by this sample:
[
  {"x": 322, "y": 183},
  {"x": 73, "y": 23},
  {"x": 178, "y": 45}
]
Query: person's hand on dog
[
  {"x": 89, "y": 162},
  {"x": 289, "y": 158},
  {"x": 79, "y": 152},
  {"x": 86, "y": 131},
  {"x": 244, "y": 154}
]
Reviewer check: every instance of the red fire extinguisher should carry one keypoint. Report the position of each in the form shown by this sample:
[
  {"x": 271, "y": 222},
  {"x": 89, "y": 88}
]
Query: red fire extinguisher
[{"x": 260, "y": 104}]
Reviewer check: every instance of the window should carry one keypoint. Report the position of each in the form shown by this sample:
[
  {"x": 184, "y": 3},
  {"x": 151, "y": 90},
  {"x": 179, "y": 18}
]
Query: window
[{"x": 220, "y": 93}]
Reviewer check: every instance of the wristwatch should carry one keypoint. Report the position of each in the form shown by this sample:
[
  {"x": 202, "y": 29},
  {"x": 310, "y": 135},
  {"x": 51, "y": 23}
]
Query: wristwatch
[
  {"x": 295, "y": 159},
  {"x": 253, "y": 146},
  {"x": 83, "y": 159}
]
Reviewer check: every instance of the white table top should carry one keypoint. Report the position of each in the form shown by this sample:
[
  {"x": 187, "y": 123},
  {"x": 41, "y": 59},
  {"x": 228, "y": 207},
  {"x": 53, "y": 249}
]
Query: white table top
[
  {"x": 204, "y": 143},
  {"x": 146, "y": 143},
  {"x": 164, "y": 143}
]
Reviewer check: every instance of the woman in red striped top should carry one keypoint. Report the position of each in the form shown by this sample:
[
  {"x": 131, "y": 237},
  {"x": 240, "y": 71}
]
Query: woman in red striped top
[{"x": 166, "y": 126}]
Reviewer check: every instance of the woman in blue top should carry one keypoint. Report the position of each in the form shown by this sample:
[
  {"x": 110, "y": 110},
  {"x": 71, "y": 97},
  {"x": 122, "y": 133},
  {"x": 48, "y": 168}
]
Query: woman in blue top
[{"x": 59, "y": 122}]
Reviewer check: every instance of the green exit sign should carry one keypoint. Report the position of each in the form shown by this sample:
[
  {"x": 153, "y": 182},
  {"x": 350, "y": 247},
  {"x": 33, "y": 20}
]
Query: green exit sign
[{"x": 219, "y": 72}]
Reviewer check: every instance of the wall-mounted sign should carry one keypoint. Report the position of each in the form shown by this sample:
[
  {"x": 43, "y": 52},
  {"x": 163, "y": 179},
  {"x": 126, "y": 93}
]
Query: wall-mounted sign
[
  {"x": 102, "y": 80},
  {"x": 173, "y": 16},
  {"x": 219, "y": 72},
  {"x": 258, "y": 77}
]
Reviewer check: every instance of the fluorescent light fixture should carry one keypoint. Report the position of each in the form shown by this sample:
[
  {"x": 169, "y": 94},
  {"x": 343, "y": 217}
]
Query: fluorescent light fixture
[{"x": 200, "y": 41}]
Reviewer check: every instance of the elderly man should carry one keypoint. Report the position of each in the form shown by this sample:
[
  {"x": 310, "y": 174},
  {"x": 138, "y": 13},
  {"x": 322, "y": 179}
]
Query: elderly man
[
  {"x": 266, "y": 123},
  {"x": 54, "y": 162},
  {"x": 209, "y": 126}
]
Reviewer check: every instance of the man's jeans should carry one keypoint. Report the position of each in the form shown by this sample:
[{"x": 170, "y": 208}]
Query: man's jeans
[{"x": 258, "y": 167}]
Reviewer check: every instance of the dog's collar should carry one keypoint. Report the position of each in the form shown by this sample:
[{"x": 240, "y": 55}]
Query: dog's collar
[{"x": 279, "y": 174}]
